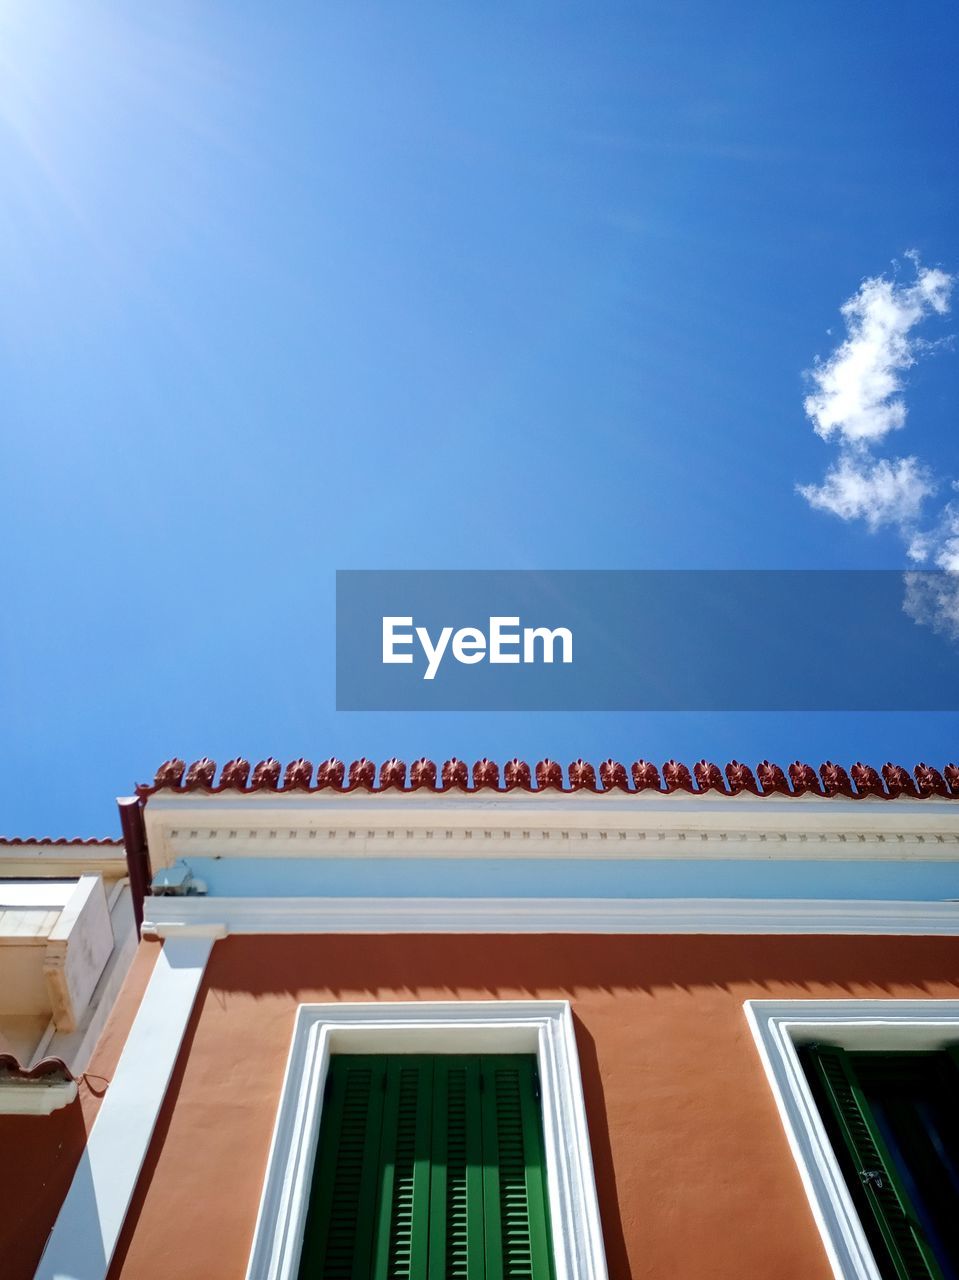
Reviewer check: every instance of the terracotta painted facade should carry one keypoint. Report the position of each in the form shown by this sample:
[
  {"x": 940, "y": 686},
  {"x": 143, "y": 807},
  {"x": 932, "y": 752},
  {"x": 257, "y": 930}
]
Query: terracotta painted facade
[
  {"x": 693, "y": 1170},
  {"x": 652, "y": 916}
]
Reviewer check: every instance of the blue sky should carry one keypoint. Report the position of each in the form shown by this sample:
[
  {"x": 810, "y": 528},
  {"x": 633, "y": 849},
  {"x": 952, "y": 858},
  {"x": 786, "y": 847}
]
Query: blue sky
[{"x": 350, "y": 285}]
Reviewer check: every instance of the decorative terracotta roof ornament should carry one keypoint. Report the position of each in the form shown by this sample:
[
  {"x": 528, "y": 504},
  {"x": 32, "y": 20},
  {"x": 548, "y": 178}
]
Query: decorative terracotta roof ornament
[
  {"x": 867, "y": 780},
  {"x": 772, "y": 779},
  {"x": 708, "y": 776},
  {"x": 235, "y": 774},
  {"x": 330, "y": 773},
  {"x": 804, "y": 779},
  {"x": 741, "y": 778},
  {"x": 455, "y": 775},
  {"x": 517, "y": 774},
  {"x": 582, "y": 776},
  {"x": 549, "y": 774},
  {"x": 392, "y": 774},
  {"x": 266, "y": 775},
  {"x": 298, "y": 776},
  {"x": 898, "y": 781},
  {"x": 645, "y": 776},
  {"x": 169, "y": 774},
  {"x": 423, "y": 774},
  {"x": 612, "y": 775},
  {"x": 200, "y": 774},
  {"x": 930, "y": 781},
  {"x": 835, "y": 780},
  {"x": 362, "y": 773},
  {"x": 677, "y": 776},
  {"x": 485, "y": 774}
]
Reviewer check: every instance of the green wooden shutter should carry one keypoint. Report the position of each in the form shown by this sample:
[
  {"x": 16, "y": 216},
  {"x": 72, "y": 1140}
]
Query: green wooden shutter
[
  {"x": 880, "y": 1186},
  {"x": 456, "y": 1201},
  {"x": 402, "y": 1230},
  {"x": 514, "y": 1190},
  {"x": 429, "y": 1168},
  {"x": 338, "y": 1237}
]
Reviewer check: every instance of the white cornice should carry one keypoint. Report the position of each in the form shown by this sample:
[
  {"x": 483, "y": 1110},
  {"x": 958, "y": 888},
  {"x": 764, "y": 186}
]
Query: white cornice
[
  {"x": 179, "y": 917},
  {"x": 61, "y": 862},
  {"x": 520, "y": 825},
  {"x": 23, "y": 1097}
]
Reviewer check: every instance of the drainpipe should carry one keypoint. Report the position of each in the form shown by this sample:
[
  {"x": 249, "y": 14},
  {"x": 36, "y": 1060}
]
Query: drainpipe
[{"x": 138, "y": 855}]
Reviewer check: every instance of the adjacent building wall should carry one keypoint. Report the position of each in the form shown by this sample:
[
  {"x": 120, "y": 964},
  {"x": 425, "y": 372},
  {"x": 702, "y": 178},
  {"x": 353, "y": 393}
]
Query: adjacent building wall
[
  {"x": 694, "y": 1174},
  {"x": 38, "y": 1154}
]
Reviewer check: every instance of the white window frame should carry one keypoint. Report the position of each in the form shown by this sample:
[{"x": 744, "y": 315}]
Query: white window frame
[
  {"x": 780, "y": 1027},
  {"x": 543, "y": 1027}
]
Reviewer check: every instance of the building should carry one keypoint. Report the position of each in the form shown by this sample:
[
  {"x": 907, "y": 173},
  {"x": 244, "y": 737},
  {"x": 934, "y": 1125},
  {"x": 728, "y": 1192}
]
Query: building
[
  {"x": 67, "y": 939},
  {"x": 502, "y": 1022}
]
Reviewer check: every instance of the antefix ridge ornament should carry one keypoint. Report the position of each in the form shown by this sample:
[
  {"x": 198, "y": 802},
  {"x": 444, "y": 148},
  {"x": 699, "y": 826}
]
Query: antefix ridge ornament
[{"x": 860, "y": 782}]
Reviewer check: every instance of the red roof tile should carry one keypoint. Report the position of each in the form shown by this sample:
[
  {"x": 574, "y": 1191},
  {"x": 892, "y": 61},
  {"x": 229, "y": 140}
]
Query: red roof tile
[
  {"x": 768, "y": 779},
  {"x": 11, "y": 1066},
  {"x": 91, "y": 842}
]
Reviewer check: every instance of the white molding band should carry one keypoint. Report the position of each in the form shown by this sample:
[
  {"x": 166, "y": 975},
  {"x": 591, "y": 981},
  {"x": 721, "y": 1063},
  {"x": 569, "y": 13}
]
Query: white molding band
[
  {"x": 183, "y": 917},
  {"x": 544, "y": 1027},
  {"x": 778, "y": 1026},
  {"x": 550, "y": 825},
  {"x": 40, "y": 1097},
  {"x": 85, "y": 1234},
  {"x": 76, "y": 1047}
]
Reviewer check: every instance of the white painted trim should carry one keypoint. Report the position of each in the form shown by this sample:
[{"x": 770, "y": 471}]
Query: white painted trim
[
  {"x": 61, "y": 861},
  {"x": 778, "y": 1027},
  {"x": 544, "y": 1027},
  {"x": 41, "y": 1097},
  {"x": 183, "y": 917},
  {"x": 76, "y": 1047},
  {"x": 551, "y": 825},
  {"x": 85, "y": 1234},
  {"x": 78, "y": 948}
]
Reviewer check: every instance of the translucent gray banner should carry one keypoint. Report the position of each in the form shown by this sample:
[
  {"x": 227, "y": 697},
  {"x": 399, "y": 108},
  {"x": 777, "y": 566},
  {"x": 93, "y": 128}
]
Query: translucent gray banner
[{"x": 647, "y": 640}]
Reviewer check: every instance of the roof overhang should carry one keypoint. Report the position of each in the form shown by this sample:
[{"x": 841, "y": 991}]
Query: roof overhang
[{"x": 548, "y": 824}]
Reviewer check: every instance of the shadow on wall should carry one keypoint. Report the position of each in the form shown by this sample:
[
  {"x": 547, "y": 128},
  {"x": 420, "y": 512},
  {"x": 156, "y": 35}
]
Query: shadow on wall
[
  {"x": 491, "y": 966},
  {"x": 617, "y": 1258}
]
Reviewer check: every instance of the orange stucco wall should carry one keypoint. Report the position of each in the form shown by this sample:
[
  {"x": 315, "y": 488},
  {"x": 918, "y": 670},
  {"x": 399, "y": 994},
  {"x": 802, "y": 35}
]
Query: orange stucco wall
[
  {"x": 38, "y": 1154},
  {"x": 694, "y": 1173}
]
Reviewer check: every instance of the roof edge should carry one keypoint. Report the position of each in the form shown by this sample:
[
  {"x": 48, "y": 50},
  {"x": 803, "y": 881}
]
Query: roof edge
[{"x": 799, "y": 779}]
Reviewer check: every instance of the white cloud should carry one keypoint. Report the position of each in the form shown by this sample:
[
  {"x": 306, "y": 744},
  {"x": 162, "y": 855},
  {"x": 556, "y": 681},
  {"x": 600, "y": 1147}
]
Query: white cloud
[
  {"x": 932, "y": 600},
  {"x": 940, "y": 544},
  {"x": 858, "y": 396},
  {"x": 880, "y": 492},
  {"x": 858, "y": 400}
]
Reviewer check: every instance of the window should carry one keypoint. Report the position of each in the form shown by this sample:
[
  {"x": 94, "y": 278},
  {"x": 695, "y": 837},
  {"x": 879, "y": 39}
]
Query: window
[
  {"x": 537, "y": 1032},
  {"x": 429, "y": 1166},
  {"x": 893, "y": 1121},
  {"x": 888, "y": 1062}
]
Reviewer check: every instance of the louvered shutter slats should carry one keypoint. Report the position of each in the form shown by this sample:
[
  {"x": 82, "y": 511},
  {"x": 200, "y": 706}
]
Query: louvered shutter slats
[
  {"x": 429, "y": 1168},
  {"x": 517, "y": 1246},
  {"x": 337, "y": 1240},
  {"x": 456, "y": 1204},
  {"x": 401, "y": 1234},
  {"x": 882, "y": 1189}
]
